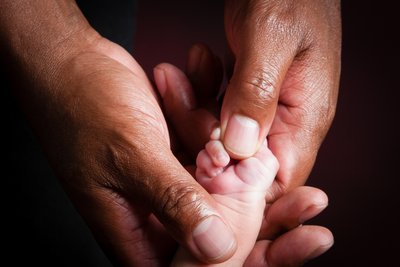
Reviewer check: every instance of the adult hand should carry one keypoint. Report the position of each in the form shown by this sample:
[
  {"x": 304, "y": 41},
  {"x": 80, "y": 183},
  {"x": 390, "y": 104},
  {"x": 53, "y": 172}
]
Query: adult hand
[
  {"x": 281, "y": 241},
  {"x": 284, "y": 83},
  {"x": 110, "y": 146},
  {"x": 98, "y": 120}
]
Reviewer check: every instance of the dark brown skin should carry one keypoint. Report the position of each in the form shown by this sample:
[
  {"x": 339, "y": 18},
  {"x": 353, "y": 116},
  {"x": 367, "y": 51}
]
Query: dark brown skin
[
  {"x": 97, "y": 117},
  {"x": 285, "y": 76}
]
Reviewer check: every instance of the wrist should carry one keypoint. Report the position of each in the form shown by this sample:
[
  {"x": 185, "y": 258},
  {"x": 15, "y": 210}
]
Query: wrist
[
  {"x": 39, "y": 39},
  {"x": 38, "y": 36}
]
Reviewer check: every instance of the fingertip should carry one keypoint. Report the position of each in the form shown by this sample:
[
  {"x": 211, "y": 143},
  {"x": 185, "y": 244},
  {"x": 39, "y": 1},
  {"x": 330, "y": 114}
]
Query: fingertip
[
  {"x": 202, "y": 159},
  {"x": 318, "y": 196},
  {"x": 299, "y": 245},
  {"x": 183, "y": 207},
  {"x": 163, "y": 74},
  {"x": 194, "y": 58},
  {"x": 205, "y": 164},
  {"x": 216, "y": 134},
  {"x": 217, "y": 153},
  {"x": 174, "y": 87},
  {"x": 316, "y": 201},
  {"x": 214, "y": 239},
  {"x": 308, "y": 195},
  {"x": 160, "y": 80},
  {"x": 293, "y": 208},
  {"x": 205, "y": 71},
  {"x": 241, "y": 136},
  {"x": 324, "y": 238}
]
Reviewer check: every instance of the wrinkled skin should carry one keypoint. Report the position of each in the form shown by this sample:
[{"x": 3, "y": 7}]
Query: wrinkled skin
[
  {"x": 97, "y": 117},
  {"x": 281, "y": 242},
  {"x": 285, "y": 75}
]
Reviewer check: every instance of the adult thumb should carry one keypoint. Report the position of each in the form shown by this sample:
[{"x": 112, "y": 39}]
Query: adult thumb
[
  {"x": 251, "y": 98},
  {"x": 185, "y": 209}
]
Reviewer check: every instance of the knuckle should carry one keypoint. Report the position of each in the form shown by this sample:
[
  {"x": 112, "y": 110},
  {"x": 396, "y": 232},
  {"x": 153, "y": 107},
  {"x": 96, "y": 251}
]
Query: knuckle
[
  {"x": 178, "y": 199},
  {"x": 262, "y": 87},
  {"x": 116, "y": 160}
]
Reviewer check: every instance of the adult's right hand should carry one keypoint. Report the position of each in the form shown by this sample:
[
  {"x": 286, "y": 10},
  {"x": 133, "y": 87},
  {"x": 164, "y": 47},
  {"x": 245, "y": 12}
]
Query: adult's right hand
[
  {"x": 284, "y": 83},
  {"x": 98, "y": 119},
  {"x": 189, "y": 106}
]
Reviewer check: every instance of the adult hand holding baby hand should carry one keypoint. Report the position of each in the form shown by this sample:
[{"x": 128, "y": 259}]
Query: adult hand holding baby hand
[
  {"x": 98, "y": 120},
  {"x": 280, "y": 242},
  {"x": 284, "y": 82}
]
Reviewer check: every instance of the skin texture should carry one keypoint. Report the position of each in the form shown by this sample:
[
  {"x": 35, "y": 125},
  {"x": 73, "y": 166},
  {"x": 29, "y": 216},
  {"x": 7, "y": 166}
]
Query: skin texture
[
  {"x": 280, "y": 242},
  {"x": 98, "y": 120},
  {"x": 286, "y": 63},
  {"x": 239, "y": 188}
]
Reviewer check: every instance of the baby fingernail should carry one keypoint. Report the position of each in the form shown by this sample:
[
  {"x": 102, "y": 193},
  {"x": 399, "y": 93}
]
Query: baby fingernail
[
  {"x": 216, "y": 134},
  {"x": 218, "y": 154}
]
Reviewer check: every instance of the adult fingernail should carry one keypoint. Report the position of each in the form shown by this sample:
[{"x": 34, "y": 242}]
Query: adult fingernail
[
  {"x": 320, "y": 250},
  {"x": 213, "y": 238},
  {"x": 310, "y": 212},
  {"x": 241, "y": 136},
  {"x": 161, "y": 80},
  {"x": 195, "y": 56}
]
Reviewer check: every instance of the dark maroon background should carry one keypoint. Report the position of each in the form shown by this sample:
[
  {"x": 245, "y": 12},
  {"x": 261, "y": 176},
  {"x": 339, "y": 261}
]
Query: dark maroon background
[{"x": 357, "y": 166}]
